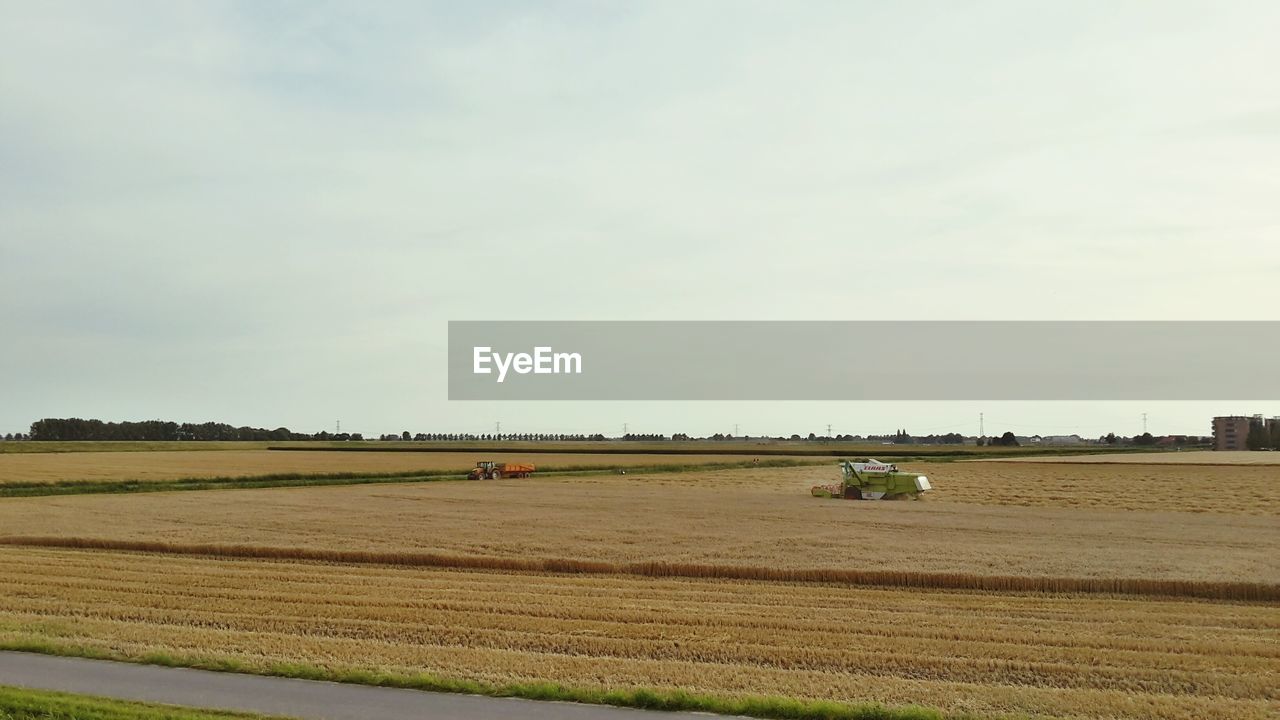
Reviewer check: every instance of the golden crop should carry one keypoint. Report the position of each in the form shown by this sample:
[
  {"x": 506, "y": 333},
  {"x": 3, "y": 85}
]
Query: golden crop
[
  {"x": 758, "y": 518},
  {"x": 1218, "y": 590},
  {"x": 158, "y": 465},
  {"x": 985, "y": 653}
]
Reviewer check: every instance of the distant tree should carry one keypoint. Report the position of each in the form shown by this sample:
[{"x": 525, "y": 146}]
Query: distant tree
[
  {"x": 8, "y": 436},
  {"x": 1111, "y": 439},
  {"x": 982, "y": 441},
  {"x": 1008, "y": 439},
  {"x": 1275, "y": 435},
  {"x": 80, "y": 429},
  {"x": 812, "y": 436},
  {"x": 1144, "y": 439},
  {"x": 406, "y": 435}
]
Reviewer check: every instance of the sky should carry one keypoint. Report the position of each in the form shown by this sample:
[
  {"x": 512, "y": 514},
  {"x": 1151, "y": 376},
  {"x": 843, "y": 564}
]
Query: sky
[{"x": 265, "y": 213}]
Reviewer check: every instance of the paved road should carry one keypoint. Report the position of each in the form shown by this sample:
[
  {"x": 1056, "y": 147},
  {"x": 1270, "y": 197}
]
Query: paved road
[{"x": 308, "y": 699}]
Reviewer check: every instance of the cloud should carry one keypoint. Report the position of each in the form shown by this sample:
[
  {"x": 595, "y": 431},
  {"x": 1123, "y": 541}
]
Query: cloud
[{"x": 300, "y": 191}]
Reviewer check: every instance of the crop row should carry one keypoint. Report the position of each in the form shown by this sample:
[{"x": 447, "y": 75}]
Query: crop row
[
  {"x": 1223, "y": 590},
  {"x": 958, "y": 650}
]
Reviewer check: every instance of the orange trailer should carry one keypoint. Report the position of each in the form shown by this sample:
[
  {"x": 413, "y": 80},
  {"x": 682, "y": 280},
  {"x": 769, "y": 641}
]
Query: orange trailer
[{"x": 489, "y": 470}]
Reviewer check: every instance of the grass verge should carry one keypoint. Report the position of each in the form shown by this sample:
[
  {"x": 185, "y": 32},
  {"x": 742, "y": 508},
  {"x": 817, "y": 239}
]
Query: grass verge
[
  {"x": 24, "y": 704},
  {"x": 87, "y": 487},
  {"x": 767, "y": 707}
]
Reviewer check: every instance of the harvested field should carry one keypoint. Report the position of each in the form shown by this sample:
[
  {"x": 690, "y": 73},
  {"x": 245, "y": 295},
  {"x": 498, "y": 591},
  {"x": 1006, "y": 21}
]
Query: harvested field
[
  {"x": 749, "y": 518},
  {"x": 1226, "y": 489},
  {"x": 1065, "y": 656},
  {"x": 1191, "y": 457},
  {"x": 158, "y": 465}
]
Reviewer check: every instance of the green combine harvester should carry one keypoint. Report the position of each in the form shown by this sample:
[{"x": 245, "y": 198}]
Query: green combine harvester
[{"x": 870, "y": 479}]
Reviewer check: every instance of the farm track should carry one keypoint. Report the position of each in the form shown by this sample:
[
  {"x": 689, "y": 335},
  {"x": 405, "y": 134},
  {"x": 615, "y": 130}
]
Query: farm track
[
  {"x": 1061, "y": 655},
  {"x": 237, "y": 693}
]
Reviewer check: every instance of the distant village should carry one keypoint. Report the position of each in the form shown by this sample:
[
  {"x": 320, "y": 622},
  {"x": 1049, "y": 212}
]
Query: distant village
[{"x": 1229, "y": 433}]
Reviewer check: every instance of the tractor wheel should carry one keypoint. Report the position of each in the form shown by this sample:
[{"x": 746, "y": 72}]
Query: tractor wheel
[{"x": 497, "y": 474}]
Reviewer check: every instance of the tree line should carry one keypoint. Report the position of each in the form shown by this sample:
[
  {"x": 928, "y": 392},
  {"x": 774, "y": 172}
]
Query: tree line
[
  {"x": 1262, "y": 436},
  {"x": 407, "y": 436},
  {"x": 80, "y": 429}
]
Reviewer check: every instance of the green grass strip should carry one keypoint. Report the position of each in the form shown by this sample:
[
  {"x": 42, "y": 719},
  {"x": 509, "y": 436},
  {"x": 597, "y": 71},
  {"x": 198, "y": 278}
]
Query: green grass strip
[
  {"x": 24, "y": 704},
  {"x": 768, "y": 707}
]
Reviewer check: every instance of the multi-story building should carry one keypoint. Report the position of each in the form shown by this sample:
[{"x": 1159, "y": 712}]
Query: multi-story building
[{"x": 1231, "y": 432}]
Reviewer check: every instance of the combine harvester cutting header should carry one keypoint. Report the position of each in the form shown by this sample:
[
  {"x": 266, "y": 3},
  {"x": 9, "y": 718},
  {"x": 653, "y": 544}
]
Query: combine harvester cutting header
[{"x": 870, "y": 479}]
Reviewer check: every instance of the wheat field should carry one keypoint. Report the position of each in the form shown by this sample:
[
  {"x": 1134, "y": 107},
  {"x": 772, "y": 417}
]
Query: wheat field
[
  {"x": 160, "y": 465},
  {"x": 1221, "y": 489},
  {"x": 1189, "y": 457},
  {"x": 411, "y": 578},
  {"x": 755, "y": 517},
  {"x": 1062, "y": 656}
]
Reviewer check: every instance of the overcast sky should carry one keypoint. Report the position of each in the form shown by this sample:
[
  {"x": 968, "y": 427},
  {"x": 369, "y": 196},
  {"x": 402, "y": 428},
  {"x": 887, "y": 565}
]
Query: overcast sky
[{"x": 265, "y": 213}]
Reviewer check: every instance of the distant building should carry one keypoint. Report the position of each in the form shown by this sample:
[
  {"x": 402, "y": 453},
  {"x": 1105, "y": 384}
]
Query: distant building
[
  {"x": 1230, "y": 432},
  {"x": 1062, "y": 440}
]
